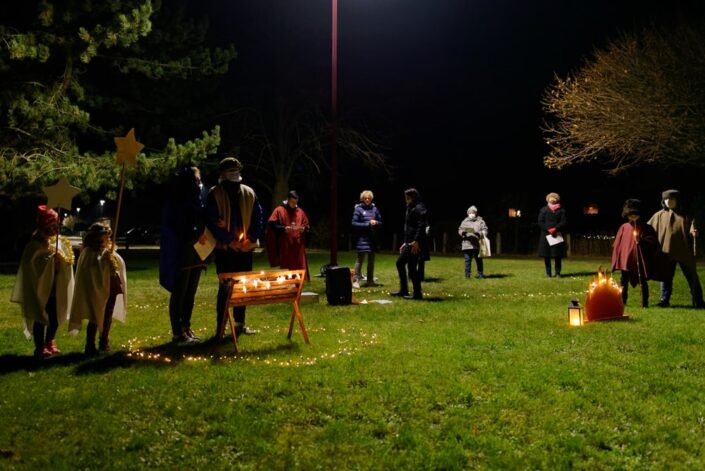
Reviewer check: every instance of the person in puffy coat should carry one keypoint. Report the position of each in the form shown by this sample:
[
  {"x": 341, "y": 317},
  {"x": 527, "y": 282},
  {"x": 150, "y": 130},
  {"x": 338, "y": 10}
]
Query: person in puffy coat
[
  {"x": 366, "y": 221},
  {"x": 471, "y": 231}
]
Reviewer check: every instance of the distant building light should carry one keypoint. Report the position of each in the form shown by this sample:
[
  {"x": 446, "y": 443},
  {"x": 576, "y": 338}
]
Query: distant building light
[
  {"x": 514, "y": 213},
  {"x": 591, "y": 209}
]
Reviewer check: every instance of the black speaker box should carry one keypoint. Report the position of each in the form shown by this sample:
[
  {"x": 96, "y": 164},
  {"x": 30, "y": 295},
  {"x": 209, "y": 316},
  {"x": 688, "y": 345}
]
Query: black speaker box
[{"x": 338, "y": 285}]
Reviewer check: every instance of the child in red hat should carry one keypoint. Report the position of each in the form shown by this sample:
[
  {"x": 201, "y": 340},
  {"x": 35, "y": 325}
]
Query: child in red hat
[{"x": 44, "y": 286}]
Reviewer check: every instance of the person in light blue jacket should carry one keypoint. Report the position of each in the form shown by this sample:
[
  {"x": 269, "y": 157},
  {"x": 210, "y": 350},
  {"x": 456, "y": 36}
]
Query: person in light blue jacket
[{"x": 366, "y": 221}]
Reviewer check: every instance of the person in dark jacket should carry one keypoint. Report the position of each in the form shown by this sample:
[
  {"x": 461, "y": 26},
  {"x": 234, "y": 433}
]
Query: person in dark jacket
[
  {"x": 637, "y": 253},
  {"x": 180, "y": 266},
  {"x": 552, "y": 222},
  {"x": 414, "y": 245},
  {"x": 366, "y": 221}
]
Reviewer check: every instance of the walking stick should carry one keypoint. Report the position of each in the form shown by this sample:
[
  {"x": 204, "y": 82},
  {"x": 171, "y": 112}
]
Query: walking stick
[{"x": 639, "y": 255}]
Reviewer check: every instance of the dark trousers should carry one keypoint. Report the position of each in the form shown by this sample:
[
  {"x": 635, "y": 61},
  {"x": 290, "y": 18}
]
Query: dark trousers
[
  {"x": 410, "y": 260},
  {"x": 182, "y": 298},
  {"x": 38, "y": 328},
  {"x": 471, "y": 254},
  {"x": 228, "y": 261},
  {"x": 547, "y": 263},
  {"x": 625, "y": 280},
  {"x": 691, "y": 275}
]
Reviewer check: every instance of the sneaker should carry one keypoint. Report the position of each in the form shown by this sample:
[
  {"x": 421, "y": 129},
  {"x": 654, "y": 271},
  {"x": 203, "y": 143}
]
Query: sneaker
[
  {"x": 663, "y": 303},
  {"x": 189, "y": 333},
  {"x": 400, "y": 294},
  {"x": 356, "y": 284},
  {"x": 480, "y": 276},
  {"x": 51, "y": 346},
  {"x": 244, "y": 330}
]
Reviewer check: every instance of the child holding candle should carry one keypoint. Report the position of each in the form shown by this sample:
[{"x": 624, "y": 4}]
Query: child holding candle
[{"x": 636, "y": 252}]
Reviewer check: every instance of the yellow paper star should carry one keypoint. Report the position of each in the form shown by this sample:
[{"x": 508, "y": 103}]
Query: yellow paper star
[
  {"x": 61, "y": 194},
  {"x": 128, "y": 148}
]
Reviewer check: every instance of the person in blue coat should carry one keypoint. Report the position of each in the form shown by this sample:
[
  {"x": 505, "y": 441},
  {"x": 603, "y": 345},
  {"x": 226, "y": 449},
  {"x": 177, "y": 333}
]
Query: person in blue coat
[
  {"x": 366, "y": 221},
  {"x": 180, "y": 266}
]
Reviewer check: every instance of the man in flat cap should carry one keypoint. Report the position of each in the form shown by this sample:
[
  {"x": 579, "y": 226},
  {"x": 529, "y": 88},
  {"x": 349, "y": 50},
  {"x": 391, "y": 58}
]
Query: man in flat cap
[
  {"x": 234, "y": 216},
  {"x": 674, "y": 229}
]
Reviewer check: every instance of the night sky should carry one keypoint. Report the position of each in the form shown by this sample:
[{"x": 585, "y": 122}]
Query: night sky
[{"x": 452, "y": 87}]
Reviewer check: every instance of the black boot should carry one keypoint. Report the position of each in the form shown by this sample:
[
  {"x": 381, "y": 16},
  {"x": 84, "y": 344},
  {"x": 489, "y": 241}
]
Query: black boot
[{"x": 91, "y": 332}]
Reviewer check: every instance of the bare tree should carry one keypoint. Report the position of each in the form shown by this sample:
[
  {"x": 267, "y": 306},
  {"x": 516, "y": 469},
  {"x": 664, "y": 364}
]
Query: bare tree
[
  {"x": 292, "y": 145},
  {"x": 638, "y": 101}
]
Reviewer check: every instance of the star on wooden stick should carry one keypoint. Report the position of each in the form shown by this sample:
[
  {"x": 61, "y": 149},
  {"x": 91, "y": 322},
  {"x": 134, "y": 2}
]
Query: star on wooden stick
[
  {"x": 61, "y": 194},
  {"x": 128, "y": 148}
]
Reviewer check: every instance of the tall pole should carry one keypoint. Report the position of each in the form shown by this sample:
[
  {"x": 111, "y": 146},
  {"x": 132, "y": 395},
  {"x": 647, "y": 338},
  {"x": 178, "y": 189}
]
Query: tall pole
[{"x": 334, "y": 137}]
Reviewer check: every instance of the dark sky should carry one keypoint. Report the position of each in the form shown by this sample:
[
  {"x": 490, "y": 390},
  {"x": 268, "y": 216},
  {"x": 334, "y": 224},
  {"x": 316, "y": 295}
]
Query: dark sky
[{"x": 453, "y": 86}]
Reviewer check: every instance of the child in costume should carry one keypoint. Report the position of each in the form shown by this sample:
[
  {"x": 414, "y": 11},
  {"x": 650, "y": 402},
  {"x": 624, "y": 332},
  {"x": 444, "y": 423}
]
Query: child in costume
[
  {"x": 44, "y": 285},
  {"x": 101, "y": 288},
  {"x": 637, "y": 252}
]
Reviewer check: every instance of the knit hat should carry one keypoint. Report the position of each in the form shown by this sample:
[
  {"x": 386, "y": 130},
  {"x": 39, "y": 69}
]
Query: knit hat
[
  {"x": 293, "y": 194},
  {"x": 472, "y": 209},
  {"x": 670, "y": 194},
  {"x": 229, "y": 163},
  {"x": 631, "y": 206},
  {"x": 99, "y": 229},
  {"x": 46, "y": 217}
]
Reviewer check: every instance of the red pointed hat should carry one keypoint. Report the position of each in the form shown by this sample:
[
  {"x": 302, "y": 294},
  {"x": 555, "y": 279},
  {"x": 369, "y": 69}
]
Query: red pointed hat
[{"x": 46, "y": 216}]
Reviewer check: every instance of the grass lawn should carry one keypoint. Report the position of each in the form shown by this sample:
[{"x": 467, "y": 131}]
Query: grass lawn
[{"x": 483, "y": 374}]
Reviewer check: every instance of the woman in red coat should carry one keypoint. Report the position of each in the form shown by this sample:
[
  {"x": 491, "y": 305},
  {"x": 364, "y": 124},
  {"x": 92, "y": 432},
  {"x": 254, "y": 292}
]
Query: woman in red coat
[
  {"x": 637, "y": 252},
  {"x": 286, "y": 235}
]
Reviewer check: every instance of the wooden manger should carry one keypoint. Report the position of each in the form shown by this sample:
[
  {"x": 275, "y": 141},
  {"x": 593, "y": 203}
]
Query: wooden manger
[{"x": 262, "y": 287}]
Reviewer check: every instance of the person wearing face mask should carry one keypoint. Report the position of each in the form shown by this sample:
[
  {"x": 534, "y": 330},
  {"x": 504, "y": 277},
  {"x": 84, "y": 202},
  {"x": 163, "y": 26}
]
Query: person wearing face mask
[
  {"x": 180, "y": 266},
  {"x": 286, "y": 235},
  {"x": 472, "y": 229},
  {"x": 552, "y": 222},
  {"x": 234, "y": 217},
  {"x": 636, "y": 253},
  {"x": 674, "y": 229}
]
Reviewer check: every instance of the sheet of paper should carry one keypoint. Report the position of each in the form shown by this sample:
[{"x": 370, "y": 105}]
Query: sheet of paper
[
  {"x": 553, "y": 240},
  {"x": 204, "y": 250}
]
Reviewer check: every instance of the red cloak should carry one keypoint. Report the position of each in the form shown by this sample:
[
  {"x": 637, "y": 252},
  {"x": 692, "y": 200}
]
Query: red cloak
[
  {"x": 651, "y": 264},
  {"x": 286, "y": 248}
]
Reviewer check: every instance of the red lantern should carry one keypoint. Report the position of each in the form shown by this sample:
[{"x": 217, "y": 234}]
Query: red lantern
[{"x": 604, "y": 299}]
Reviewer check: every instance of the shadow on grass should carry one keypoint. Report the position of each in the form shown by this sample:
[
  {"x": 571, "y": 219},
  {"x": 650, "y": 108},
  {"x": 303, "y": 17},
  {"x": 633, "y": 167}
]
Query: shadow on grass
[
  {"x": 499, "y": 275},
  {"x": 12, "y": 363},
  {"x": 169, "y": 355},
  {"x": 579, "y": 273},
  {"x": 432, "y": 279}
]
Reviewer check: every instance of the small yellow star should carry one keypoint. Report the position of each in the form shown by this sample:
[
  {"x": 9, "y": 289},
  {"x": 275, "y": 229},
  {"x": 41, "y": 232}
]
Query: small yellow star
[
  {"x": 128, "y": 148},
  {"x": 61, "y": 194}
]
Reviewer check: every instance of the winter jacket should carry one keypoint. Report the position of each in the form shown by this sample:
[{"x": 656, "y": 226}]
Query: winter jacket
[
  {"x": 415, "y": 224},
  {"x": 673, "y": 231},
  {"x": 549, "y": 219},
  {"x": 471, "y": 230},
  {"x": 366, "y": 234}
]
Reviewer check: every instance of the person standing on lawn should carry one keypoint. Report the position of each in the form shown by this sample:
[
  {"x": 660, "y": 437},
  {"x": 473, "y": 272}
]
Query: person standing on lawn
[
  {"x": 636, "y": 252},
  {"x": 234, "y": 216},
  {"x": 180, "y": 266},
  {"x": 286, "y": 235},
  {"x": 411, "y": 250},
  {"x": 552, "y": 222},
  {"x": 44, "y": 286},
  {"x": 674, "y": 228},
  {"x": 366, "y": 221},
  {"x": 100, "y": 294},
  {"x": 472, "y": 230}
]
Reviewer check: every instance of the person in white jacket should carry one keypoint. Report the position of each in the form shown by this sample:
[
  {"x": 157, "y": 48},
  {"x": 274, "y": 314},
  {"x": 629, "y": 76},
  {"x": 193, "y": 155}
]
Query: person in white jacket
[
  {"x": 44, "y": 285},
  {"x": 472, "y": 230},
  {"x": 101, "y": 288}
]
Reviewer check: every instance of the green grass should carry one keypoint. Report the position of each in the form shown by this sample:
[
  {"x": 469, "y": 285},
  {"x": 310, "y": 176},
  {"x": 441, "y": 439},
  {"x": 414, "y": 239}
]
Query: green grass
[{"x": 484, "y": 374}]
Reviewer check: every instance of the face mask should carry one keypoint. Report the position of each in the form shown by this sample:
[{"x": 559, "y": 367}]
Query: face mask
[
  {"x": 233, "y": 176},
  {"x": 472, "y": 215},
  {"x": 670, "y": 204}
]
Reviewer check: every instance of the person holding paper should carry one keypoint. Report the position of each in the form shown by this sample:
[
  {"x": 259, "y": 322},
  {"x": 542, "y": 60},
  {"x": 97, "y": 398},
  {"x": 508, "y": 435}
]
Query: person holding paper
[
  {"x": 183, "y": 250},
  {"x": 552, "y": 222},
  {"x": 471, "y": 231},
  {"x": 286, "y": 235}
]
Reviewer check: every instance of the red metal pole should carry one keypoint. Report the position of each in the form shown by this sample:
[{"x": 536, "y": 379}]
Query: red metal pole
[{"x": 334, "y": 137}]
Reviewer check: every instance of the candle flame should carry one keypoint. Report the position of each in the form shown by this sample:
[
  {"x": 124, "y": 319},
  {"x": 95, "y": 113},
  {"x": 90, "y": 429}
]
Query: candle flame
[{"x": 242, "y": 236}]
